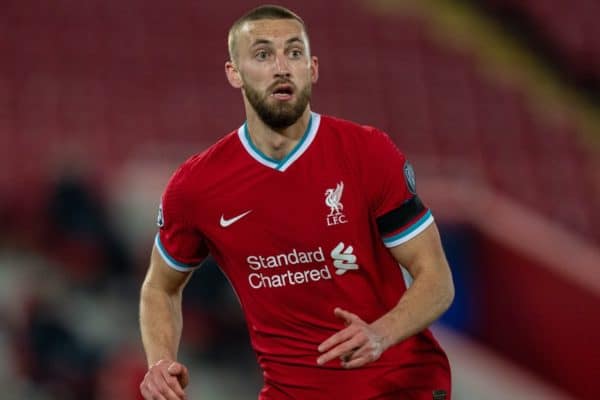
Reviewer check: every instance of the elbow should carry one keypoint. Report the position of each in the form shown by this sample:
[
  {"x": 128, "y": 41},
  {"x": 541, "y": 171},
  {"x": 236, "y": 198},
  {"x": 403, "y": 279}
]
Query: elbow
[{"x": 448, "y": 297}]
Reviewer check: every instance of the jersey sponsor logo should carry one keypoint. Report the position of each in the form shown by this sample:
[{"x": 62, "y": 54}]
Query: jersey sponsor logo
[
  {"x": 294, "y": 257},
  {"x": 160, "y": 221},
  {"x": 333, "y": 200},
  {"x": 298, "y": 267},
  {"x": 227, "y": 222},
  {"x": 343, "y": 259}
]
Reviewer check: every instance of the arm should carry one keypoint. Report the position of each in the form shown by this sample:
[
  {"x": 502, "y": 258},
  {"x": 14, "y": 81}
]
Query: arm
[
  {"x": 430, "y": 294},
  {"x": 160, "y": 325},
  {"x": 428, "y": 297}
]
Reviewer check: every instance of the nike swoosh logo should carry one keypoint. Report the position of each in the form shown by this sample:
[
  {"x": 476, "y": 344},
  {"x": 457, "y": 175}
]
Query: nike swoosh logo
[{"x": 226, "y": 222}]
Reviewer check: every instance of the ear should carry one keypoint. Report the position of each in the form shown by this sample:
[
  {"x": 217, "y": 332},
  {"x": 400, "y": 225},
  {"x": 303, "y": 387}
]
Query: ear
[
  {"x": 233, "y": 75},
  {"x": 314, "y": 69}
]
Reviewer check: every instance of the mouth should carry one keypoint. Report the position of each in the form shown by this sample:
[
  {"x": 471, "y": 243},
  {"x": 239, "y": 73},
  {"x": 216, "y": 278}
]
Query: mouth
[{"x": 283, "y": 92}]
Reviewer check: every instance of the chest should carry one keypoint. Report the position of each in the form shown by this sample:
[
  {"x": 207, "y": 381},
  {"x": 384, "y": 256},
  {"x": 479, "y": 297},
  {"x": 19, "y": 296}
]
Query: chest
[{"x": 281, "y": 238}]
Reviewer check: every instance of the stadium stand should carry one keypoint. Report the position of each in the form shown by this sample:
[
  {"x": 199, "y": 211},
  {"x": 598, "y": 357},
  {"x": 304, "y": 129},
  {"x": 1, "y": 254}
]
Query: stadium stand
[
  {"x": 567, "y": 31},
  {"x": 92, "y": 86}
]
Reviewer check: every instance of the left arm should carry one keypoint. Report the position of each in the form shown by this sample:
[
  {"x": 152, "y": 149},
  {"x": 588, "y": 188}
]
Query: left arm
[{"x": 429, "y": 296}]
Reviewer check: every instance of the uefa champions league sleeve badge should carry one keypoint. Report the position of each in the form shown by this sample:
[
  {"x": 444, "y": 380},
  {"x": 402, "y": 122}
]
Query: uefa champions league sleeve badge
[
  {"x": 160, "y": 222},
  {"x": 409, "y": 177}
]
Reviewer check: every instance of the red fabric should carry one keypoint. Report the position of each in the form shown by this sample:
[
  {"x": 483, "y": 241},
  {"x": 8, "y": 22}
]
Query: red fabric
[{"x": 280, "y": 257}]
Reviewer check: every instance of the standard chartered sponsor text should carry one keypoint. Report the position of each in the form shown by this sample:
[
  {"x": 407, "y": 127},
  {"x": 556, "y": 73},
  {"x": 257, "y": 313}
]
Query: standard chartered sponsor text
[{"x": 283, "y": 263}]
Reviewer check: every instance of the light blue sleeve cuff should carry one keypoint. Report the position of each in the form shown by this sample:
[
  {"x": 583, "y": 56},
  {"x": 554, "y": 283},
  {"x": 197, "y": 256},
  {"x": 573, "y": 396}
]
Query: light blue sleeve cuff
[
  {"x": 171, "y": 262},
  {"x": 410, "y": 232}
]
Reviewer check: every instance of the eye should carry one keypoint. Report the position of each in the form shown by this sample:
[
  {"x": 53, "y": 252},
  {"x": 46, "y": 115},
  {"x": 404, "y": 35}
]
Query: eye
[
  {"x": 296, "y": 53},
  {"x": 262, "y": 55}
]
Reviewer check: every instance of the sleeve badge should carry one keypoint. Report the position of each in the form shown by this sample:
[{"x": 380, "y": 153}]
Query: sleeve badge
[
  {"x": 409, "y": 177},
  {"x": 160, "y": 222}
]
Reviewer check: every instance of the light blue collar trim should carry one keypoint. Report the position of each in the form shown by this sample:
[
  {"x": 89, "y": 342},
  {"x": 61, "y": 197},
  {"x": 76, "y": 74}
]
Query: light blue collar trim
[{"x": 297, "y": 151}]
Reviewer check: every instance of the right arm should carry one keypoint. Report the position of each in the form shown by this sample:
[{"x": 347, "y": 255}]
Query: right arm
[{"x": 160, "y": 325}]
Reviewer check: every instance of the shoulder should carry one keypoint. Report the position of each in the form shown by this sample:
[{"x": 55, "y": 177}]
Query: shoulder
[
  {"x": 341, "y": 125},
  {"x": 364, "y": 137}
]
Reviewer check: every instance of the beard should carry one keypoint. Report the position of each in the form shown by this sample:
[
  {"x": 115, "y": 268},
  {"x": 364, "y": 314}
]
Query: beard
[{"x": 281, "y": 114}]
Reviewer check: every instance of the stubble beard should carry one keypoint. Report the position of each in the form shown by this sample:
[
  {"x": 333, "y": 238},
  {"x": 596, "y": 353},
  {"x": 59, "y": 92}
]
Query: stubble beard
[{"x": 281, "y": 114}]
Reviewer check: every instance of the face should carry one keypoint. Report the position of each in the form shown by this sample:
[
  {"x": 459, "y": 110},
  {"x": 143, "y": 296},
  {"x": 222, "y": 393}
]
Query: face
[{"x": 274, "y": 69}]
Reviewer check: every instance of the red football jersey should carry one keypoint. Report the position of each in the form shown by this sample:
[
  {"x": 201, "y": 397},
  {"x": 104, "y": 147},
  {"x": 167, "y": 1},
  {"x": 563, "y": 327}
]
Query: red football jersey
[{"x": 300, "y": 236}]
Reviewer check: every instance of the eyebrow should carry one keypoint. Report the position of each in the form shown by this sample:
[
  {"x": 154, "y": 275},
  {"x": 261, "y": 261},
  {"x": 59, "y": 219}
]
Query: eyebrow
[
  {"x": 294, "y": 39},
  {"x": 265, "y": 41}
]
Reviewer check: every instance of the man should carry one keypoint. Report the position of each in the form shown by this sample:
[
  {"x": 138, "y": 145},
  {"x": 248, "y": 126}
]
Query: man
[{"x": 309, "y": 217}]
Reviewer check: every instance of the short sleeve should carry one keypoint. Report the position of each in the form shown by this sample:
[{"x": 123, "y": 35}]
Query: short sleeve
[
  {"x": 392, "y": 191},
  {"x": 179, "y": 242}
]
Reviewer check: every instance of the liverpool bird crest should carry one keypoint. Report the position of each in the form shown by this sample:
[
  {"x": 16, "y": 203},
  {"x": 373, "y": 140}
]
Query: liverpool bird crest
[{"x": 333, "y": 200}]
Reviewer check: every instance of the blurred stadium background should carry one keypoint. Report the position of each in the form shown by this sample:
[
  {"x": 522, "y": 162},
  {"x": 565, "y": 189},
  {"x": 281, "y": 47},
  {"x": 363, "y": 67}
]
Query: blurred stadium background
[{"x": 496, "y": 102}]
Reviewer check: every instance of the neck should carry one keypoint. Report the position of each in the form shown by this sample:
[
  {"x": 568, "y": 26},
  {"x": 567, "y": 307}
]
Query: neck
[{"x": 276, "y": 144}]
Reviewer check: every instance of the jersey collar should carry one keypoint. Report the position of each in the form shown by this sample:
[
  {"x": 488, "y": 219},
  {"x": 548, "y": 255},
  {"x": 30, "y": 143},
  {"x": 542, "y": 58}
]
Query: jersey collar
[{"x": 297, "y": 151}]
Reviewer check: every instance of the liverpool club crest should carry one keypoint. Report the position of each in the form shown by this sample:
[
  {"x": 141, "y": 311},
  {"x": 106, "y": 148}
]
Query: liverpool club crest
[{"x": 333, "y": 200}]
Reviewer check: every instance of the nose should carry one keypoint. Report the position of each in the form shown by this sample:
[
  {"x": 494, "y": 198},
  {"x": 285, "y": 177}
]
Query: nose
[{"x": 282, "y": 67}]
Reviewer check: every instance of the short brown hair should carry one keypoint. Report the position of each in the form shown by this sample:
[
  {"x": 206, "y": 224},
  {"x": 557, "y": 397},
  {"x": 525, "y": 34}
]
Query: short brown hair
[{"x": 267, "y": 11}]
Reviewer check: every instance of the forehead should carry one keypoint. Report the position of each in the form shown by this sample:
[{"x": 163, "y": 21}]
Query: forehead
[{"x": 273, "y": 30}]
